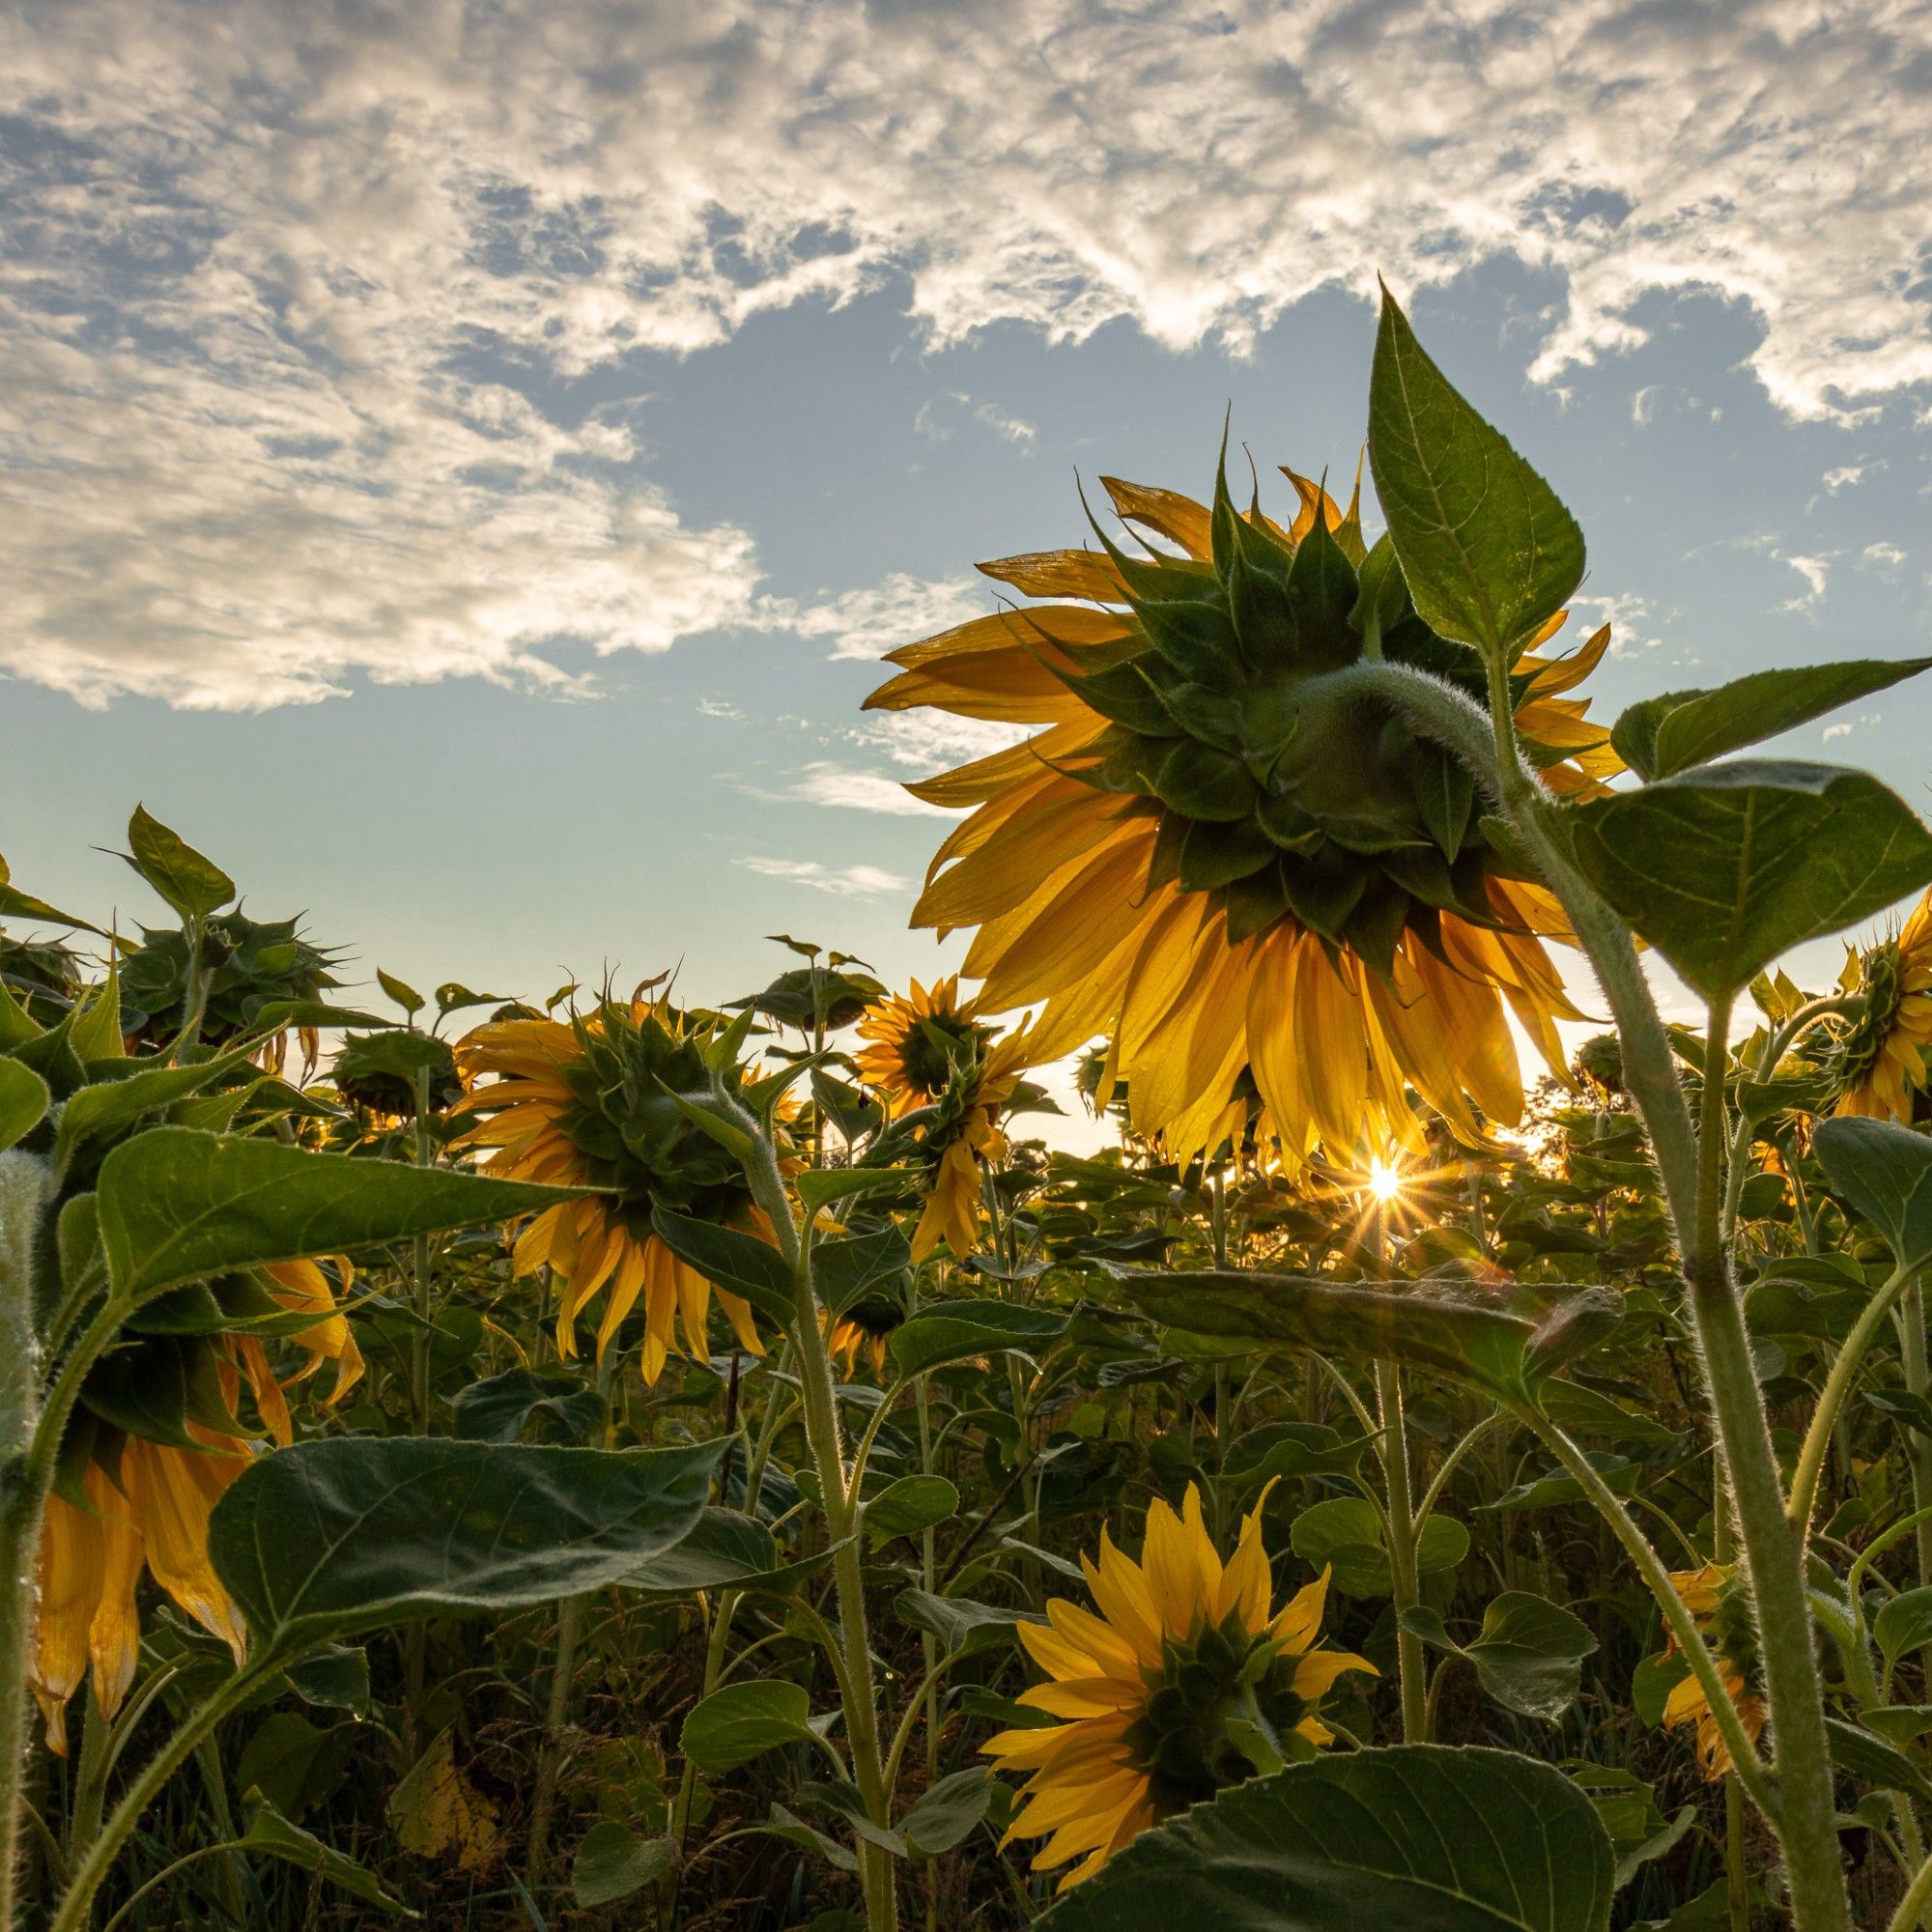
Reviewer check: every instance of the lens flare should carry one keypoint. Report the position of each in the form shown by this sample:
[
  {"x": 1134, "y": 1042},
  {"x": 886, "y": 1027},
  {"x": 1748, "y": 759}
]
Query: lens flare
[{"x": 1384, "y": 1179}]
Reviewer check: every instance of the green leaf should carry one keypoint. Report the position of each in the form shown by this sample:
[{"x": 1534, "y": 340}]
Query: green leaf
[
  {"x": 1447, "y": 1327},
  {"x": 1904, "y": 1624},
  {"x": 611, "y": 1864},
  {"x": 818, "y": 1188},
  {"x": 725, "y": 1549},
  {"x": 1417, "y": 1837},
  {"x": 946, "y": 1812},
  {"x": 844, "y": 1272},
  {"x": 1345, "y": 1535},
  {"x": 24, "y": 1100},
  {"x": 193, "y": 885},
  {"x": 401, "y": 992},
  {"x": 1724, "y": 867},
  {"x": 1671, "y": 733},
  {"x": 336, "y": 1535},
  {"x": 272, "y": 1835},
  {"x": 959, "y": 1623},
  {"x": 740, "y": 1263},
  {"x": 496, "y": 1408},
  {"x": 1490, "y": 553},
  {"x": 176, "y": 1203},
  {"x": 1529, "y": 1656},
  {"x": 951, "y": 1331},
  {"x": 909, "y": 1505},
  {"x": 1885, "y": 1765},
  {"x": 104, "y": 1107},
  {"x": 742, "y": 1722},
  {"x": 1884, "y": 1171}
]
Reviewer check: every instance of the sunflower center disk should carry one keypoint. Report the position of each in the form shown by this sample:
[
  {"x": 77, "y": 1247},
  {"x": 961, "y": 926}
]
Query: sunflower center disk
[
  {"x": 1278, "y": 789},
  {"x": 1221, "y": 1707}
]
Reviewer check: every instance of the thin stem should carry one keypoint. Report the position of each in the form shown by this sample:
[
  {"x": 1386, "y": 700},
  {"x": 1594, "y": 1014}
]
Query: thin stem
[
  {"x": 1917, "y": 1897},
  {"x": 1412, "y": 1666}
]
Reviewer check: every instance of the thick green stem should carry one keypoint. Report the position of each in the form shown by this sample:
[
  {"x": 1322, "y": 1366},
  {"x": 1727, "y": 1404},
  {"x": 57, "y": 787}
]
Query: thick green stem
[
  {"x": 1411, "y": 1664},
  {"x": 549, "y": 1760},
  {"x": 1912, "y": 1360}
]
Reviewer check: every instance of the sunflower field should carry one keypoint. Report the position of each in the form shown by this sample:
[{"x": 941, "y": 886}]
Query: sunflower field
[{"x": 607, "y": 1461}]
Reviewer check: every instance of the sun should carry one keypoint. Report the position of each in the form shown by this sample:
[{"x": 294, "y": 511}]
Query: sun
[{"x": 1384, "y": 1179}]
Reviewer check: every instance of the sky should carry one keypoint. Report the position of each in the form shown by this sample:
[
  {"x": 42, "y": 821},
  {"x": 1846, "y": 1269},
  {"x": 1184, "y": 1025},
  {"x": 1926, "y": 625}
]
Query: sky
[{"x": 460, "y": 464}]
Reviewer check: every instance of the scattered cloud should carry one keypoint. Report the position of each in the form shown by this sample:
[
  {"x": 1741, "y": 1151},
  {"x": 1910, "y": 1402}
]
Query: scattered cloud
[
  {"x": 826, "y": 784},
  {"x": 938, "y": 419},
  {"x": 870, "y": 621},
  {"x": 1846, "y": 477},
  {"x": 718, "y": 707},
  {"x": 849, "y": 881},
  {"x": 287, "y": 290},
  {"x": 1886, "y": 557},
  {"x": 1629, "y": 615},
  {"x": 1844, "y": 729},
  {"x": 1816, "y": 571},
  {"x": 927, "y": 742}
]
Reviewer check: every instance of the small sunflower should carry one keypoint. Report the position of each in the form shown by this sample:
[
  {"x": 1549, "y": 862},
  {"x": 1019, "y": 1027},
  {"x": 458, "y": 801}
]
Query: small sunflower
[
  {"x": 125, "y": 1503},
  {"x": 1221, "y": 856},
  {"x": 590, "y": 1103},
  {"x": 1880, "y": 1063},
  {"x": 1713, "y": 1598},
  {"x": 865, "y": 1327},
  {"x": 960, "y": 1137},
  {"x": 915, "y": 1042},
  {"x": 1184, "y": 1684}
]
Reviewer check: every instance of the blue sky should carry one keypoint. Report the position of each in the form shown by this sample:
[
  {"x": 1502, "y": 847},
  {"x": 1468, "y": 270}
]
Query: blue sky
[{"x": 461, "y": 464}]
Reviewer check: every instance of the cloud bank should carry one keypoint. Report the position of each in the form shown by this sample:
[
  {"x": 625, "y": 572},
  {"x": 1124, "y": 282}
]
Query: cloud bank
[{"x": 265, "y": 263}]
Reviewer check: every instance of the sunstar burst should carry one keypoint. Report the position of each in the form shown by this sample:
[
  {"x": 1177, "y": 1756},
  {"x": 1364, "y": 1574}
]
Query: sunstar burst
[
  {"x": 1185, "y": 1682},
  {"x": 1881, "y": 1061},
  {"x": 125, "y": 1504},
  {"x": 915, "y": 1040},
  {"x": 1715, "y": 1601},
  {"x": 1211, "y": 854},
  {"x": 590, "y": 1102}
]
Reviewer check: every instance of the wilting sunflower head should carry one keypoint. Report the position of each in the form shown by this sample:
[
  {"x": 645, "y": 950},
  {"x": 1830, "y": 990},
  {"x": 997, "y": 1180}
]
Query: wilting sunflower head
[
  {"x": 916, "y": 1042},
  {"x": 590, "y": 1102},
  {"x": 1714, "y": 1597},
  {"x": 1879, "y": 1063},
  {"x": 379, "y": 1071},
  {"x": 125, "y": 1501},
  {"x": 246, "y": 964},
  {"x": 865, "y": 1327},
  {"x": 42, "y": 976},
  {"x": 1222, "y": 855},
  {"x": 1185, "y": 1682}
]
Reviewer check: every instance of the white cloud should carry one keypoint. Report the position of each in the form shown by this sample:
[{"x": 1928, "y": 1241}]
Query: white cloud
[
  {"x": 827, "y": 783},
  {"x": 1864, "y": 721},
  {"x": 939, "y": 417},
  {"x": 1886, "y": 557},
  {"x": 849, "y": 881},
  {"x": 269, "y": 263},
  {"x": 867, "y": 622},
  {"x": 1845, "y": 477},
  {"x": 1816, "y": 571}
]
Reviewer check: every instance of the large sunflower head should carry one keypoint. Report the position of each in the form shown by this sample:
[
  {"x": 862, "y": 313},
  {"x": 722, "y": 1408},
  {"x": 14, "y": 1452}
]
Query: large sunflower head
[
  {"x": 1879, "y": 1063},
  {"x": 1187, "y": 1681},
  {"x": 1217, "y": 852},
  {"x": 244, "y": 964},
  {"x": 152, "y": 1447},
  {"x": 916, "y": 1041},
  {"x": 589, "y": 1101},
  {"x": 1716, "y": 1600}
]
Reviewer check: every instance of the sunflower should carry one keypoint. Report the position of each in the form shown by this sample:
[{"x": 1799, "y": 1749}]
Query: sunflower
[
  {"x": 913, "y": 1042},
  {"x": 865, "y": 1328},
  {"x": 960, "y": 1138},
  {"x": 1880, "y": 1063},
  {"x": 125, "y": 1503},
  {"x": 590, "y": 1103},
  {"x": 1182, "y": 1684},
  {"x": 1711, "y": 1596},
  {"x": 1217, "y": 857}
]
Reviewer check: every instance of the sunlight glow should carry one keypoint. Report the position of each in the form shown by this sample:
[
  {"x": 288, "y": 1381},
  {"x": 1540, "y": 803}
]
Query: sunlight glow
[{"x": 1384, "y": 1180}]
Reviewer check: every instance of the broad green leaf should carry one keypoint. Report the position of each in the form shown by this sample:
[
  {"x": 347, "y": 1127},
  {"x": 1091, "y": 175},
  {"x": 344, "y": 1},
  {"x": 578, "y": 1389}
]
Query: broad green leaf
[
  {"x": 1663, "y": 735},
  {"x": 401, "y": 992},
  {"x": 725, "y": 1551},
  {"x": 295, "y": 1763},
  {"x": 742, "y": 1722},
  {"x": 946, "y": 1812},
  {"x": 740, "y": 1263},
  {"x": 193, "y": 885},
  {"x": 1344, "y": 1535},
  {"x": 1884, "y": 1171},
  {"x": 1447, "y": 1327},
  {"x": 1724, "y": 867},
  {"x": 909, "y": 1505},
  {"x": 334, "y": 1678},
  {"x": 1292, "y": 1449},
  {"x": 1488, "y": 552},
  {"x": 104, "y": 1107},
  {"x": 24, "y": 1100},
  {"x": 611, "y": 1864},
  {"x": 346, "y": 1534},
  {"x": 959, "y": 1623},
  {"x": 273, "y": 1837},
  {"x": 842, "y": 1271},
  {"x": 16, "y": 905},
  {"x": 1904, "y": 1623},
  {"x": 1877, "y": 1762},
  {"x": 1417, "y": 1836},
  {"x": 818, "y": 1188},
  {"x": 1529, "y": 1655},
  {"x": 951, "y": 1331},
  {"x": 176, "y": 1203},
  {"x": 496, "y": 1408}
]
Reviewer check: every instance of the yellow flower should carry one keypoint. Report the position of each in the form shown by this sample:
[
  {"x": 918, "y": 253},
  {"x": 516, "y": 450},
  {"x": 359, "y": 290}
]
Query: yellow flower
[
  {"x": 1880, "y": 1063},
  {"x": 915, "y": 1042},
  {"x": 1708, "y": 1596},
  {"x": 590, "y": 1102},
  {"x": 865, "y": 1328},
  {"x": 963, "y": 1138},
  {"x": 1184, "y": 1683},
  {"x": 1214, "y": 855}
]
